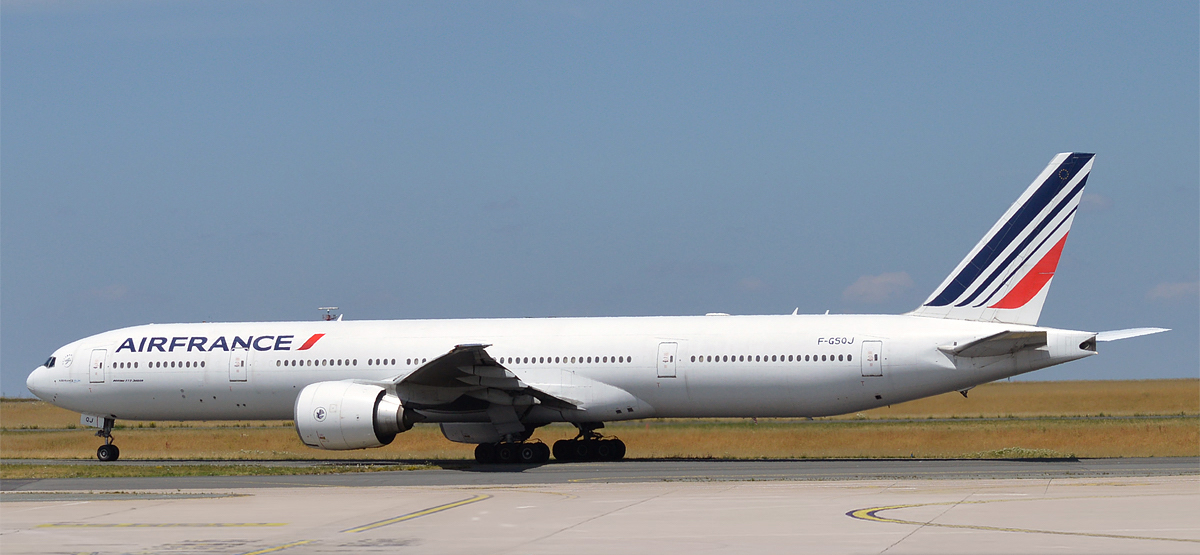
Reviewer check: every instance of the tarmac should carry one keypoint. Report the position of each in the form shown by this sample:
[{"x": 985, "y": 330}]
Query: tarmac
[{"x": 694, "y": 507}]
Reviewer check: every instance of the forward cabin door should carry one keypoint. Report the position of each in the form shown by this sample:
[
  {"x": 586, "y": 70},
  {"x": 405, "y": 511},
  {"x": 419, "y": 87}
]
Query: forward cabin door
[
  {"x": 872, "y": 358},
  {"x": 97, "y": 369},
  {"x": 666, "y": 359},
  {"x": 238, "y": 361}
]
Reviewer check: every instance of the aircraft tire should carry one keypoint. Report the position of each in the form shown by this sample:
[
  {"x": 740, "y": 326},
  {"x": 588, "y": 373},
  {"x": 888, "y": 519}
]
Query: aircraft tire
[
  {"x": 528, "y": 453},
  {"x": 604, "y": 450},
  {"x": 506, "y": 453},
  {"x": 563, "y": 450},
  {"x": 619, "y": 451},
  {"x": 108, "y": 453},
  {"x": 543, "y": 452},
  {"x": 485, "y": 453},
  {"x": 584, "y": 450}
]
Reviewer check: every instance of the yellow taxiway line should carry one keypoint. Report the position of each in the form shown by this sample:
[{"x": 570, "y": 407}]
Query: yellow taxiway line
[{"x": 417, "y": 514}]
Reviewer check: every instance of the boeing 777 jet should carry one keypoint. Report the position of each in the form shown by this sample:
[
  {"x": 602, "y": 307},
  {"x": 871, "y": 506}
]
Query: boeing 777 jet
[{"x": 493, "y": 382}]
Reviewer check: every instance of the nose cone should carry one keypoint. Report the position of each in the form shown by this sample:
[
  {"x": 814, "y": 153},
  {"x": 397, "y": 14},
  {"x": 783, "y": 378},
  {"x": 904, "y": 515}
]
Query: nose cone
[{"x": 38, "y": 382}]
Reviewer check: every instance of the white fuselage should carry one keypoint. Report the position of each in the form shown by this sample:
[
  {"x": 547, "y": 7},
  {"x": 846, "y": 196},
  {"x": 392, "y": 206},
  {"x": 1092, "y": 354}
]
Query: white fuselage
[{"x": 703, "y": 366}]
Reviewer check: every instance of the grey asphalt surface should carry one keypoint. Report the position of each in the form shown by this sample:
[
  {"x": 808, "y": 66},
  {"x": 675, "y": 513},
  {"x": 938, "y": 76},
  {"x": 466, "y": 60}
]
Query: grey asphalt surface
[{"x": 631, "y": 471}]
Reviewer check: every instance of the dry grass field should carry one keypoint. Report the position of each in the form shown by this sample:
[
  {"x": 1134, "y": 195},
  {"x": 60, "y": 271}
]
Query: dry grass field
[
  {"x": 1075, "y": 398},
  {"x": 1024, "y": 419}
]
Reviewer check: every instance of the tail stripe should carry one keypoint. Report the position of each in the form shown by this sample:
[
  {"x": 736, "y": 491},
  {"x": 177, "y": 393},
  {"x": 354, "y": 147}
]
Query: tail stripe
[
  {"x": 1032, "y": 252},
  {"x": 1035, "y": 280},
  {"x": 1032, "y": 207},
  {"x": 1028, "y": 239}
]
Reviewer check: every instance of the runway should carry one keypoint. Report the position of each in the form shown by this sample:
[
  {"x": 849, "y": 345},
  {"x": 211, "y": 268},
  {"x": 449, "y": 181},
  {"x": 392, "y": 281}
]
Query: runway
[
  {"x": 470, "y": 474},
  {"x": 698, "y": 507}
]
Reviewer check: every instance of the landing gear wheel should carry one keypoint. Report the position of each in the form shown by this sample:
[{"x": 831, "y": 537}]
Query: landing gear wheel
[
  {"x": 108, "y": 453},
  {"x": 563, "y": 449},
  {"x": 527, "y": 453},
  {"x": 589, "y": 446},
  {"x": 543, "y": 453},
  {"x": 485, "y": 453},
  {"x": 605, "y": 450},
  {"x": 506, "y": 453},
  {"x": 582, "y": 450}
]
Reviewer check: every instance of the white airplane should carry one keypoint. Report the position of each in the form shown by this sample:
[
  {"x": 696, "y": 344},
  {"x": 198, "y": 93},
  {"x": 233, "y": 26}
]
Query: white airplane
[{"x": 492, "y": 382}]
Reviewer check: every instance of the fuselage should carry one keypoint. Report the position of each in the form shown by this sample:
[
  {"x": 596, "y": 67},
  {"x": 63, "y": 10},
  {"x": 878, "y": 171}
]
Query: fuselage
[{"x": 699, "y": 366}]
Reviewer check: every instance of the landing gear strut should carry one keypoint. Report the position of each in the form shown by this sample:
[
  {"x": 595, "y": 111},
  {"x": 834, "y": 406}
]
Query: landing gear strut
[
  {"x": 589, "y": 445},
  {"x": 107, "y": 452},
  {"x": 519, "y": 452}
]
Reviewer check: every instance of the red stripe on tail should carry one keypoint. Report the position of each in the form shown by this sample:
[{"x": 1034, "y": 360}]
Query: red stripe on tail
[{"x": 1035, "y": 280}]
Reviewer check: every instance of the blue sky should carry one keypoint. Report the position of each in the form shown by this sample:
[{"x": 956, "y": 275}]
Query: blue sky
[{"x": 239, "y": 161}]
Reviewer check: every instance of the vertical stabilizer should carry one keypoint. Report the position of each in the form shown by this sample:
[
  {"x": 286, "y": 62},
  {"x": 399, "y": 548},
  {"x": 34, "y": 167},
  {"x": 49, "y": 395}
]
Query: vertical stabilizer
[{"x": 1006, "y": 276}]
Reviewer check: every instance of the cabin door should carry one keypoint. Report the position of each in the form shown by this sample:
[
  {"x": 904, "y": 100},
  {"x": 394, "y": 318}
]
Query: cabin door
[
  {"x": 238, "y": 361},
  {"x": 666, "y": 359},
  {"x": 97, "y": 369},
  {"x": 872, "y": 358}
]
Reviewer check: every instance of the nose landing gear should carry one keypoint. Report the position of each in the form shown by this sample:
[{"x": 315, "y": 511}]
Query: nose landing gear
[{"x": 107, "y": 452}]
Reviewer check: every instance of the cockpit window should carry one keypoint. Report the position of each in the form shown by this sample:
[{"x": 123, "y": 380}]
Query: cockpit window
[{"x": 49, "y": 363}]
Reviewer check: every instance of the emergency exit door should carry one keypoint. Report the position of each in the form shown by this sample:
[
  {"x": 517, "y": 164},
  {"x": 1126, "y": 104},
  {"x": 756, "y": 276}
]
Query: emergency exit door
[{"x": 666, "y": 359}]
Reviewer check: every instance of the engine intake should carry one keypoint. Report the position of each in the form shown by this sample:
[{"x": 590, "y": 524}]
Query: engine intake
[{"x": 347, "y": 415}]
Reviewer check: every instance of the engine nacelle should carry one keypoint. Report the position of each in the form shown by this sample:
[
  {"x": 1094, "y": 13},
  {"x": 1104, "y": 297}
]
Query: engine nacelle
[{"x": 347, "y": 415}]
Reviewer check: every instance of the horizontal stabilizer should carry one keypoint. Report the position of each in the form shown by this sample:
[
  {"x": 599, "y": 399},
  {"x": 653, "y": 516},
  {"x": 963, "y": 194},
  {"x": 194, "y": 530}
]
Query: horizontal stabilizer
[
  {"x": 1003, "y": 343},
  {"x": 1115, "y": 335}
]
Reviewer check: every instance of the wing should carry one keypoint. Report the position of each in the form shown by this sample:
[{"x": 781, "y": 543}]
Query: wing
[{"x": 469, "y": 370}]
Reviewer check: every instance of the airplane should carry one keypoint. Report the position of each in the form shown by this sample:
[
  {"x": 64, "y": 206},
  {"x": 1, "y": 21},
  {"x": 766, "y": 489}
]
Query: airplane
[{"x": 493, "y": 382}]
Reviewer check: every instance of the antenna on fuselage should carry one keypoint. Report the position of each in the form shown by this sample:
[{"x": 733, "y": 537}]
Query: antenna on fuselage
[{"x": 329, "y": 313}]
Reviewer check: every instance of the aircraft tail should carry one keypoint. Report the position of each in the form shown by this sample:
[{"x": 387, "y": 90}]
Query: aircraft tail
[{"x": 1006, "y": 276}]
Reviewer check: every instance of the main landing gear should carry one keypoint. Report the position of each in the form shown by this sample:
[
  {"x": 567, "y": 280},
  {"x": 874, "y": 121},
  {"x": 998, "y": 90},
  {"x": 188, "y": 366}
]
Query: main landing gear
[
  {"x": 589, "y": 446},
  {"x": 107, "y": 452},
  {"x": 520, "y": 452}
]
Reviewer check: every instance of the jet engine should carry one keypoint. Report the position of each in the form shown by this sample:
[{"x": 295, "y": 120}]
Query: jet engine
[{"x": 348, "y": 415}]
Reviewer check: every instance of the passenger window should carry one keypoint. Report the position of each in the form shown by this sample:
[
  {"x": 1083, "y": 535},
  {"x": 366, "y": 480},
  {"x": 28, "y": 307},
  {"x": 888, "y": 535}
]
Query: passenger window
[
  {"x": 822, "y": 358},
  {"x": 789, "y": 358},
  {"x": 772, "y": 358},
  {"x": 849, "y": 358},
  {"x": 135, "y": 364},
  {"x": 839, "y": 358}
]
